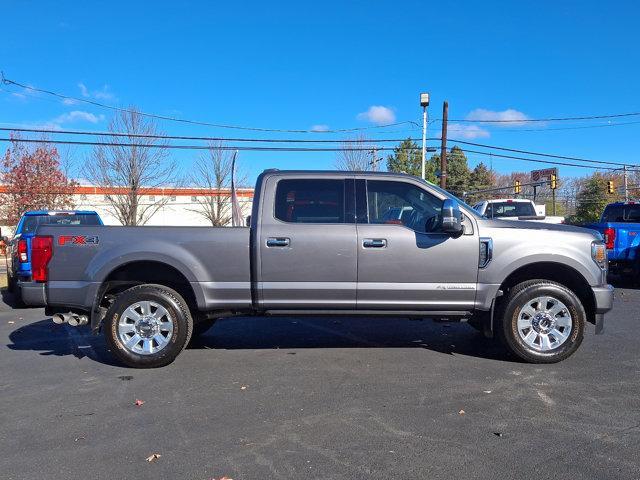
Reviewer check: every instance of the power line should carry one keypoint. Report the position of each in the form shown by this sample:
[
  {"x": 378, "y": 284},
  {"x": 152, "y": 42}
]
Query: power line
[
  {"x": 198, "y": 147},
  {"x": 7, "y": 81},
  {"x": 288, "y": 149},
  {"x": 182, "y": 137},
  {"x": 280, "y": 140},
  {"x": 534, "y": 160},
  {"x": 551, "y": 119},
  {"x": 541, "y": 154}
]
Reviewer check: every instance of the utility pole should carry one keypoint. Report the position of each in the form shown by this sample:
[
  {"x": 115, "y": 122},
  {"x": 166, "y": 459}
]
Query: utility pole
[
  {"x": 626, "y": 185},
  {"x": 424, "y": 103},
  {"x": 374, "y": 160},
  {"x": 443, "y": 145}
]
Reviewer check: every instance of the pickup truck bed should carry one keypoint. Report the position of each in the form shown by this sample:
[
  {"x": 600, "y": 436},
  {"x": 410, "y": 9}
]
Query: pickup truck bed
[
  {"x": 329, "y": 243},
  {"x": 213, "y": 261}
]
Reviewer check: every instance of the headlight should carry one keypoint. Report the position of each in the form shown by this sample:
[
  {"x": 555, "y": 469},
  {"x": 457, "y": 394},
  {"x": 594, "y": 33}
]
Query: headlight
[{"x": 599, "y": 253}]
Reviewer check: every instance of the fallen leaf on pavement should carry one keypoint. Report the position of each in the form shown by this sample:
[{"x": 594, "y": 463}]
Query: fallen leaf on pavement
[
  {"x": 153, "y": 457},
  {"x": 139, "y": 403},
  {"x": 461, "y": 412}
]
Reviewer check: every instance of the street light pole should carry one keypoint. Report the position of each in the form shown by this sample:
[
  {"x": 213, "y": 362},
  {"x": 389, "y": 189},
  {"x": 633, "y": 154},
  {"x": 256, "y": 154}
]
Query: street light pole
[{"x": 424, "y": 103}]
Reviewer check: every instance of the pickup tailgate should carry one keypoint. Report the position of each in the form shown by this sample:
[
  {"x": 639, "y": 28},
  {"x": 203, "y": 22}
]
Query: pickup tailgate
[
  {"x": 624, "y": 238},
  {"x": 215, "y": 261}
]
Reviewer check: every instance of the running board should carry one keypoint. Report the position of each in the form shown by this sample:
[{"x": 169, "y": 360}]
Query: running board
[{"x": 373, "y": 313}]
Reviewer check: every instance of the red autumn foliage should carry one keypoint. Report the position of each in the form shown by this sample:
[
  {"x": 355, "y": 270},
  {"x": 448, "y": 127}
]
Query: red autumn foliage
[{"x": 33, "y": 180}]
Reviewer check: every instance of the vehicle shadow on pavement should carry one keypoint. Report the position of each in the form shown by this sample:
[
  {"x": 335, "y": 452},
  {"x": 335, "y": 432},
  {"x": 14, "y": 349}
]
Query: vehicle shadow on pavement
[
  {"x": 313, "y": 332},
  {"x": 48, "y": 339},
  {"x": 11, "y": 300}
]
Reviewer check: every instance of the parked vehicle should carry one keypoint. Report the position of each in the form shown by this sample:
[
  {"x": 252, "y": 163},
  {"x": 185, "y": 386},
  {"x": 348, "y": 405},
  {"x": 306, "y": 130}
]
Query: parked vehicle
[
  {"x": 324, "y": 243},
  {"x": 19, "y": 247},
  {"x": 620, "y": 226},
  {"x": 515, "y": 209}
]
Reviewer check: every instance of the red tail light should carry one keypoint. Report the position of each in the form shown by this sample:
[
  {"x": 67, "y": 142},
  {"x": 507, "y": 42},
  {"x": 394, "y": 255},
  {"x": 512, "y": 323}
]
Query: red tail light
[
  {"x": 609, "y": 237},
  {"x": 22, "y": 251},
  {"x": 41, "y": 251}
]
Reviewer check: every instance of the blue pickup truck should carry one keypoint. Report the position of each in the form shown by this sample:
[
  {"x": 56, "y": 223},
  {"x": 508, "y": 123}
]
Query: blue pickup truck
[
  {"x": 620, "y": 227},
  {"x": 19, "y": 248}
]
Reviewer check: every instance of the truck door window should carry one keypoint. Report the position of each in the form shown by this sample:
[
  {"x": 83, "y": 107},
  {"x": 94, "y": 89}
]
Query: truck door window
[
  {"x": 310, "y": 201},
  {"x": 400, "y": 203}
]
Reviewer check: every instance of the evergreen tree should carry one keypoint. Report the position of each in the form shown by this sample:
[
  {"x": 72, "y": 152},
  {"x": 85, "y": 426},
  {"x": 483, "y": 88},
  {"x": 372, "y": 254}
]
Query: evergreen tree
[
  {"x": 406, "y": 158},
  {"x": 480, "y": 178},
  {"x": 592, "y": 199},
  {"x": 457, "y": 172}
]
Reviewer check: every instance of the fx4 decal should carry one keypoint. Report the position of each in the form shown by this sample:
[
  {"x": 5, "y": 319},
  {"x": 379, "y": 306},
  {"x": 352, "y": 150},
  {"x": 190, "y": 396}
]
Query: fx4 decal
[{"x": 78, "y": 240}]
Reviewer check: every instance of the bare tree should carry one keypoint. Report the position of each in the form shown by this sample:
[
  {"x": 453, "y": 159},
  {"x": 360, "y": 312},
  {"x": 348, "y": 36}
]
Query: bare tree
[
  {"x": 213, "y": 172},
  {"x": 130, "y": 168},
  {"x": 355, "y": 155}
]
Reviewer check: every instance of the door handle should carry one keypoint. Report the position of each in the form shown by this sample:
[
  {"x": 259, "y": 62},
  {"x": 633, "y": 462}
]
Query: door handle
[
  {"x": 278, "y": 242},
  {"x": 374, "y": 243}
]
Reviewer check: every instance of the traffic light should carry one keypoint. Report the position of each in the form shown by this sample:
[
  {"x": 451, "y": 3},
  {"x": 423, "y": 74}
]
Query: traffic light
[
  {"x": 610, "y": 187},
  {"x": 517, "y": 188},
  {"x": 554, "y": 181}
]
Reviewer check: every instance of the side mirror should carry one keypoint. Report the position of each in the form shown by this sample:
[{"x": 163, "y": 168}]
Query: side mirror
[
  {"x": 451, "y": 218},
  {"x": 248, "y": 221}
]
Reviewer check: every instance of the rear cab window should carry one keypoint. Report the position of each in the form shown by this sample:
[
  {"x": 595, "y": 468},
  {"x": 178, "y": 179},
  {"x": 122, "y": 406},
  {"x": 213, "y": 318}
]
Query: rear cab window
[
  {"x": 509, "y": 209},
  {"x": 622, "y": 214},
  {"x": 31, "y": 222}
]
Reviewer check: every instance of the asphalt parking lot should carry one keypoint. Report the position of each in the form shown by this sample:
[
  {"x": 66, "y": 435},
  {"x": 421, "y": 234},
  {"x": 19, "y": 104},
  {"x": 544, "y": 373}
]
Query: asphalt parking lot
[{"x": 319, "y": 398}]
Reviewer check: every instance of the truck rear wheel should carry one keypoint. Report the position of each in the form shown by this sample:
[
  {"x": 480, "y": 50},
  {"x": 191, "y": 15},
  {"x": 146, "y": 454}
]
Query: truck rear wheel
[
  {"x": 148, "y": 326},
  {"x": 542, "y": 321}
]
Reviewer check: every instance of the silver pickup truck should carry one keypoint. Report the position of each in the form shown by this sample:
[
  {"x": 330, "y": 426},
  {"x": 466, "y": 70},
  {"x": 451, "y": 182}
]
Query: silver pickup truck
[{"x": 328, "y": 243}]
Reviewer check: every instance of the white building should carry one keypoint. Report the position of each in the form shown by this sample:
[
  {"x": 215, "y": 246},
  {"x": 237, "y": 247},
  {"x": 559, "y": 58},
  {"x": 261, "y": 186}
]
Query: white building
[{"x": 180, "y": 207}]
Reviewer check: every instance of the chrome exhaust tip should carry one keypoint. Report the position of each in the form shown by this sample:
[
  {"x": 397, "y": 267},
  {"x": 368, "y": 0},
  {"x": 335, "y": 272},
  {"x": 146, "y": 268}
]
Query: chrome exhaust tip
[
  {"x": 78, "y": 320},
  {"x": 60, "y": 318}
]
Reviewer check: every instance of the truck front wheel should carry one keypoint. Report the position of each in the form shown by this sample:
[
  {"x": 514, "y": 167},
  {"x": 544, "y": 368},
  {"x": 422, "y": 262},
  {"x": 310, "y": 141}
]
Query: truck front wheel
[
  {"x": 542, "y": 321},
  {"x": 147, "y": 326}
]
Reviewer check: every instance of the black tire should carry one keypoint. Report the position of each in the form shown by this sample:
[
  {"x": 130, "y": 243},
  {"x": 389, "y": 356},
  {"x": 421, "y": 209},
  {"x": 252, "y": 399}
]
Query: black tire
[
  {"x": 518, "y": 297},
  {"x": 177, "y": 341}
]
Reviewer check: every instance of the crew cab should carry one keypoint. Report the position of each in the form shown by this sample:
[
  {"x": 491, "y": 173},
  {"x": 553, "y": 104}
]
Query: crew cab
[
  {"x": 620, "y": 226},
  {"x": 515, "y": 209},
  {"x": 325, "y": 243},
  {"x": 19, "y": 247}
]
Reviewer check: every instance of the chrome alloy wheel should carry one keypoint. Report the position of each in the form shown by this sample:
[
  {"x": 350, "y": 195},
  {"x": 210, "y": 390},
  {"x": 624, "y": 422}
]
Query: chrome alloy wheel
[
  {"x": 145, "y": 327},
  {"x": 544, "y": 323}
]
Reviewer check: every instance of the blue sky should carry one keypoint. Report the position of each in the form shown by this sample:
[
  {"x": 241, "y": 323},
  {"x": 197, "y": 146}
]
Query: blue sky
[{"x": 296, "y": 65}]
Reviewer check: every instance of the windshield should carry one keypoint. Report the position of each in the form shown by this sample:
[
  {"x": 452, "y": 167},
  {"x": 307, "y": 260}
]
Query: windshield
[
  {"x": 622, "y": 213},
  {"x": 31, "y": 222},
  {"x": 509, "y": 209},
  {"x": 469, "y": 208}
]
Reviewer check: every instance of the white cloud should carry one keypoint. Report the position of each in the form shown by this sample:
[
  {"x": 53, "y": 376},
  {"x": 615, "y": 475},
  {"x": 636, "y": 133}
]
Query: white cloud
[
  {"x": 104, "y": 93},
  {"x": 320, "y": 128},
  {"x": 510, "y": 116},
  {"x": 76, "y": 116},
  {"x": 378, "y": 114},
  {"x": 84, "y": 90},
  {"x": 468, "y": 132},
  {"x": 69, "y": 101}
]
